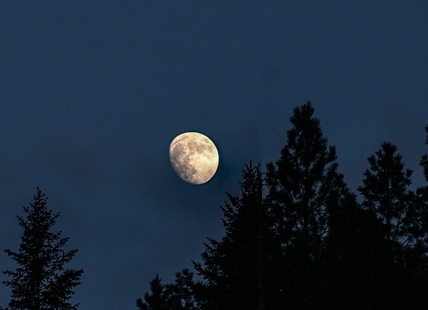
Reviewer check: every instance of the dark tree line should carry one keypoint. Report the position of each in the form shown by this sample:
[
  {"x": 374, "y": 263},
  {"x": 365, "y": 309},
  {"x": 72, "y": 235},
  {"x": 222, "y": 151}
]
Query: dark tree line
[{"x": 298, "y": 238}]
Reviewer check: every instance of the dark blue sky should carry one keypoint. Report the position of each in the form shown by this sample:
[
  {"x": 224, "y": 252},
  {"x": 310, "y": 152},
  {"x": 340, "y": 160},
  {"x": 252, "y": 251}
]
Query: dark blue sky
[{"x": 93, "y": 92}]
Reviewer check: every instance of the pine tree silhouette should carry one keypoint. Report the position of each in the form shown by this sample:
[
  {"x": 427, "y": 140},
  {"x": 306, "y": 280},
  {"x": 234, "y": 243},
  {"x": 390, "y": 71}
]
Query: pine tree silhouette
[
  {"x": 304, "y": 187},
  {"x": 155, "y": 300},
  {"x": 41, "y": 281},
  {"x": 235, "y": 274},
  {"x": 400, "y": 211}
]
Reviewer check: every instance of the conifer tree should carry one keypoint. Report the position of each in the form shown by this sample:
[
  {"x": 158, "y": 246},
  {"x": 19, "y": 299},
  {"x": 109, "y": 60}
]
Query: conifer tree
[
  {"x": 155, "y": 300},
  {"x": 41, "y": 281},
  {"x": 304, "y": 186},
  {"x": 401, "y": 212},
  {"x": 386, "y": 192},
  {"x": 239, "y": 270},
  {"x": 179, "y": 295}
]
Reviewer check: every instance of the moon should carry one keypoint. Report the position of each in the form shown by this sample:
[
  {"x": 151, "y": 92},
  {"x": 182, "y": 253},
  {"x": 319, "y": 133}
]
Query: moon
[{"x": 194, "y": 157}]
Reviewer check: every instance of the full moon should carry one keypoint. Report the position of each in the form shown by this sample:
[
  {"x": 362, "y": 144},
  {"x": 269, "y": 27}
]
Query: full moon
[{"x": 194, "y": 157}]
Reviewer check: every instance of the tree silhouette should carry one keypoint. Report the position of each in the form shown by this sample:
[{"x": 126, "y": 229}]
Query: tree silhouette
[
  {"x": 239, "y": 270},
  {"x": 304, "y": 186},
  {"x": 155, "y": 300},
  {"x": 41, "y": 282},
  {"x": 386, "y": 192},
  {"x": 179, "y": 295},
  {"x": 401, "y": 212}
]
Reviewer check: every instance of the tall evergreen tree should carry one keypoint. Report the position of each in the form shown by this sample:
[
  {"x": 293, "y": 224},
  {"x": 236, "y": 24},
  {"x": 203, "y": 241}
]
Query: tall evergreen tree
[
  {"x": 303, "y": 187},
  {"x": 155, "y": 300},
  {"x": 386, "y": 193},
  {"x": 240, "y": 270},
  {"x": 40, "y": 281}
]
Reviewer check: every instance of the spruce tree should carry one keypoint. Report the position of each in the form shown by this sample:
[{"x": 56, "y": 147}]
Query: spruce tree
[
  {"x": 240, "y": 270},
  {"x": 304, "y": 187},
  {"x": 41, "y": 281},
  {"x": 155, "y": 300}
]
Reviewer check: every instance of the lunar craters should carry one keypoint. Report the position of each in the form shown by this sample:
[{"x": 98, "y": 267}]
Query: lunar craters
[{"x": 194, "y": 157}]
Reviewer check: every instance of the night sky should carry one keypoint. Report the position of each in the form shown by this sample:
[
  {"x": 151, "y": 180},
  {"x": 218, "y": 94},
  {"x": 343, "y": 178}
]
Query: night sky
[{"x": 93, "y": 92}]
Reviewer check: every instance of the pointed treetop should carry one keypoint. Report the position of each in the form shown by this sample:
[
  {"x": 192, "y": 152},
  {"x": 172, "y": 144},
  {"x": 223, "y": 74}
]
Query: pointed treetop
[{"x": 41, "y": 281}]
